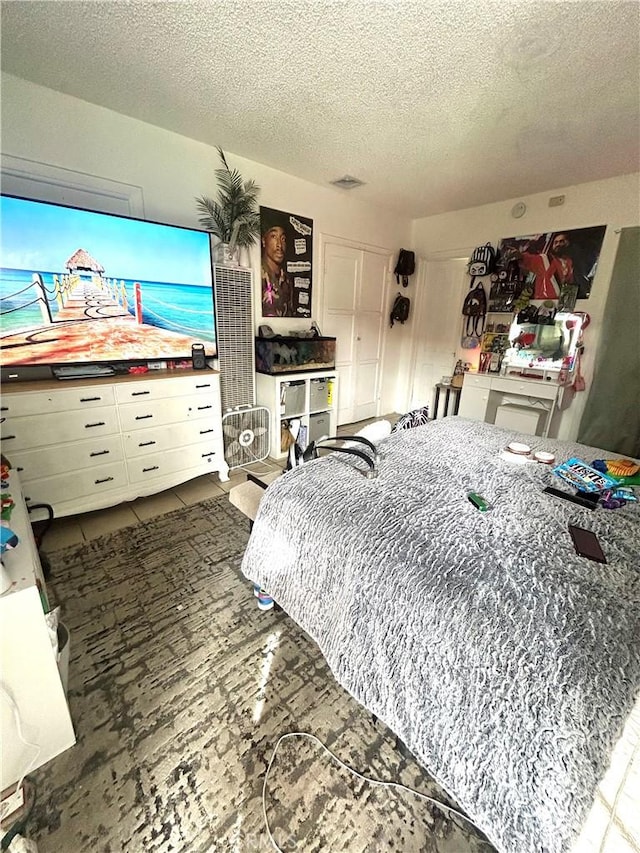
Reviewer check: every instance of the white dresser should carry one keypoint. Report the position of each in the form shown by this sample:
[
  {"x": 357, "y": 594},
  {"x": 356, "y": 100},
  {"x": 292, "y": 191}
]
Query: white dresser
[
  {"x": 87, "y": 444},
  {"x": 32, "y": 697}
]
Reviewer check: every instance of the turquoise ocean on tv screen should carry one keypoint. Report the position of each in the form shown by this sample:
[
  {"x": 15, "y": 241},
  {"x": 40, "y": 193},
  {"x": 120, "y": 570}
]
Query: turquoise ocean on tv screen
[{"x": 183, "y": 308}]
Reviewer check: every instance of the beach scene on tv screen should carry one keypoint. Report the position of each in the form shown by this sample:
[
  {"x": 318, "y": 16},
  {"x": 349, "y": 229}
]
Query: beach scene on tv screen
[{"x": 78, "y": 286}]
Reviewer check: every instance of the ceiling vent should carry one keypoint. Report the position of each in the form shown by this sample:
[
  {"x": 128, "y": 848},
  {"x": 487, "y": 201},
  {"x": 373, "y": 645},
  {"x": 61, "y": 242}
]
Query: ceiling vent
[{"x": 347, "y": 183}]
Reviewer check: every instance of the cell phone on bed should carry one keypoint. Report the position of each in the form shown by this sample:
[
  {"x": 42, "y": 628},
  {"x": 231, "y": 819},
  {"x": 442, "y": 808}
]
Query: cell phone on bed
[{"x": 586, "y": 544}]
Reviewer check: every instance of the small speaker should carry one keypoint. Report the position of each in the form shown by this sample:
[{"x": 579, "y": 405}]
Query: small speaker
[{"x": 198, "y": 358}]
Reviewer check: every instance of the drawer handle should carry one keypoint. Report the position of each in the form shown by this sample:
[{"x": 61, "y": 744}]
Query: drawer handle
[
  {"x": 18, "y": 469},
  {"x": 4, "y": 408},
  {"x": 205, "y": 431},
  {"x": 145, "y": 443},
  {"x": 153, "y": 468},
  {"x": 97, "y": 423},
  {"x": 143, "y": 417},
  {"x": 99, "y": 453},
  {"x": 202, "y": 408},
  {"x": 104, "y": 480},
  {"x": 139, "y": 393},
  {"x": 7, "y": 437},
  {"x": 212, "y": 453},
  {"x": 206, "y": 385},
  {"x": 89, "y": 399}
]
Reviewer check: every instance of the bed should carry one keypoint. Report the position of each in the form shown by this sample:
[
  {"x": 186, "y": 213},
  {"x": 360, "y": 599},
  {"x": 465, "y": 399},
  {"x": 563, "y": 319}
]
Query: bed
[{"x": 507, "y": 664}]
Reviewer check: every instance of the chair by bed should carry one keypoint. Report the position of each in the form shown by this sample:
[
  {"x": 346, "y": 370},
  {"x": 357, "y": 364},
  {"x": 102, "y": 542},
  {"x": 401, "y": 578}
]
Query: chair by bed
[{"x": 508, "y": 664}]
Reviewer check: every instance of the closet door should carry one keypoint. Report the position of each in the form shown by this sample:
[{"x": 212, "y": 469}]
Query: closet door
[
  {"x": 368, "y": 329},
  {"x": 353, "y": 286}
]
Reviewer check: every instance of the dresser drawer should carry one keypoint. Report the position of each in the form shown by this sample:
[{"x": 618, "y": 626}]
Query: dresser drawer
[
  {"x": 526, "y": 388},
  {"x": 46, "y": 430},
  {"x": 204, "y": 455},
  {"x": 135, "y": 416},
  {"x": 47, "y": 461},
  {"x": 158, "y": 389},
  {"x": 474, "y": 380},
  {"x": 171, "y": 437},
  {"x": 43, "y": 402},
  {"x": 76, "y": 484}
]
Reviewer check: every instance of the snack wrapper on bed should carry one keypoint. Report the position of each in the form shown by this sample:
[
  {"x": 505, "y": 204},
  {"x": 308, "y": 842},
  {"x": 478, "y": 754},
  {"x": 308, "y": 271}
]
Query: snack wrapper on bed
[{"x": 581, "y": 476}]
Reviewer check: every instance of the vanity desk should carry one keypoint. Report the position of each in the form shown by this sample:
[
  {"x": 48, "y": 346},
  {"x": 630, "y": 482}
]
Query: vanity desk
[{"x": 506, "y": 400}]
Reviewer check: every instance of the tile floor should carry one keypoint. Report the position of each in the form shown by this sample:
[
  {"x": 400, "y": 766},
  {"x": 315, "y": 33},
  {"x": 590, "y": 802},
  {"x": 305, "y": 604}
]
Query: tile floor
[{"x": 73, "y": 530}]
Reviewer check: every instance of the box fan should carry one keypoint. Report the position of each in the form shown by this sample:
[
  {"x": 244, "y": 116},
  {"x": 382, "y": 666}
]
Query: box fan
[{"x": 246, "y": 436}]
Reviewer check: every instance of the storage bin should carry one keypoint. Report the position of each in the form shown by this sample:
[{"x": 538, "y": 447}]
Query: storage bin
[
  {"x": 520, "y": 418},
  {"x": 292, "y": 398},
  {"x": 318, "y": 426},
  {"x": 282, "y": 354},
  {"x": 318, "y": 394}
]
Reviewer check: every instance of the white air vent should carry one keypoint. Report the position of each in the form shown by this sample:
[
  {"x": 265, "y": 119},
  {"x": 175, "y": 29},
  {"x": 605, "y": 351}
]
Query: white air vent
[
  {"x": 233, "y": 291},
  {"x": 347, "y": 183}
]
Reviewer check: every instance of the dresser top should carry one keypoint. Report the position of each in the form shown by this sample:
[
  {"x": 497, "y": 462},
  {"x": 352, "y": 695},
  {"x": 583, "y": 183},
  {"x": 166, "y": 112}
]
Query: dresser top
[{"x": 116, "y": 379}]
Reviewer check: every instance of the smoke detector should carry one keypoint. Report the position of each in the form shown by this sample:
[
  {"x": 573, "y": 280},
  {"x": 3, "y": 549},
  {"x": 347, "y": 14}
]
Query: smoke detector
[{"x": 347, "y": 183}]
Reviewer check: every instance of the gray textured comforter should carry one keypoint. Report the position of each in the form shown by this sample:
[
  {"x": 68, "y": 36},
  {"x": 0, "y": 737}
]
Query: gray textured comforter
[{"x": 503, "y": 660}]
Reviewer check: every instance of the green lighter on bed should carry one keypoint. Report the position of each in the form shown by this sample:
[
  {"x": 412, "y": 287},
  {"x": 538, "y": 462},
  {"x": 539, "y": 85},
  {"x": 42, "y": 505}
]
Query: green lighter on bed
[{"x": 478, "y": 501}]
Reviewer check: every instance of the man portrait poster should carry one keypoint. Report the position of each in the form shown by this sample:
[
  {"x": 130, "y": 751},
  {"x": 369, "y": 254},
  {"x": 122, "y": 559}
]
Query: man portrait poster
[
  {"x": 286, "y": 243},
  {"x": 558, "y": 259}
]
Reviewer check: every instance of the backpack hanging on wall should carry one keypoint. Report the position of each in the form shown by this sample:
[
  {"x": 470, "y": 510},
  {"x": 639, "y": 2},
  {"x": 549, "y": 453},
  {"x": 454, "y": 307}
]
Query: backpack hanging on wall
[
  {"x": 483, "y": 260},
  {"x": 405, "y": 267},
  {"x": 474, "y": 309},
  {"x": 400, "y": 310}
]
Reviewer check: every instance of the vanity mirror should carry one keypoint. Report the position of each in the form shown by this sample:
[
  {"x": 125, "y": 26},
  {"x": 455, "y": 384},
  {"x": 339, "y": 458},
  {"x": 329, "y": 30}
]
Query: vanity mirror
[{"x": 544, "y": 350}]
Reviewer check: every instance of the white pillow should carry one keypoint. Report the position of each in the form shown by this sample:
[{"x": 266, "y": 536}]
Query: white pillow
[{"x": 376, "y": 431}]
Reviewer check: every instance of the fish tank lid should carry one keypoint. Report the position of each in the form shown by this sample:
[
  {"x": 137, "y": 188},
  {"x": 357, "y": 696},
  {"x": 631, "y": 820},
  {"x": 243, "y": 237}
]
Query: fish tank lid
[{"x": 281, "y": 338}]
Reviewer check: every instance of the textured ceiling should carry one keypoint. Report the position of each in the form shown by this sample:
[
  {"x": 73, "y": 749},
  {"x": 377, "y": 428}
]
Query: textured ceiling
[{"x": 435, "y": 105}]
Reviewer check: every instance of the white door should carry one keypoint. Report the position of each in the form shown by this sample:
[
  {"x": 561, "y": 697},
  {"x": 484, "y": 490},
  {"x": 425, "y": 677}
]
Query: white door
[
  {"x": 354, "y": 289},
  {"x": 437, "y": 327}
]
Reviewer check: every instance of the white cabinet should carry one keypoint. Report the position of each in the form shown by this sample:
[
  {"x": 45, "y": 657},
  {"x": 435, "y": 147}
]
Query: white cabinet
[
  {"x": 32, "y": 691},
  {"x": 106, "y": 441},
  {"x": 312, "y": 397},
  {"x": 474, "y": 397}
]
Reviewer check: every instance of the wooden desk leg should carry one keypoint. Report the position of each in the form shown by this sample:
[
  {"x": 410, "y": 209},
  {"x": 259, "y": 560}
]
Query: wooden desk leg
[
  {"x": 435, "y": 414},
  {"x": 447, "y": 394},
  {"x": 457, "y": 403}
]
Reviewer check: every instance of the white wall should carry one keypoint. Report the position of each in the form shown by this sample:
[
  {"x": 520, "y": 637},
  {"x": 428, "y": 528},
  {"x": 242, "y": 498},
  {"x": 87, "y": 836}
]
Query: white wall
[
  {"x": 614, "y": 202},
  {"x": 47, "y": 127}
]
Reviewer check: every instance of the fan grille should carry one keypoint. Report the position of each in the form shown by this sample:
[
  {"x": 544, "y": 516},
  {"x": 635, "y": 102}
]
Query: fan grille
[
  {"x": 233, "y": 287},
  {"x": 246, "y": 436}
]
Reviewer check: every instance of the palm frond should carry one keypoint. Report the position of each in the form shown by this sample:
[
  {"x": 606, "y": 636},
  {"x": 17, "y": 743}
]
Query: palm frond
[{"x": 235, "y": 206}]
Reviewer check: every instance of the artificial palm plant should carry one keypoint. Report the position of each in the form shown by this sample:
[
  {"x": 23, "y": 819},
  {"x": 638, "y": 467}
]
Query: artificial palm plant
[{"x": 233, "y": 217}]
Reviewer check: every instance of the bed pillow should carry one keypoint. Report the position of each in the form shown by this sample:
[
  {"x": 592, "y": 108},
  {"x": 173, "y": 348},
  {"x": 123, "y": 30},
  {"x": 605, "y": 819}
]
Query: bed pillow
[
  {"x": 376, "y": 431},
  {"x": 414, "y": 418}
]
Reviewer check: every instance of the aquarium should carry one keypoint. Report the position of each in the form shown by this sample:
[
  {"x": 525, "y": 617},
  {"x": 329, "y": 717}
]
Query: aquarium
[{"x": 282, "y": 354}]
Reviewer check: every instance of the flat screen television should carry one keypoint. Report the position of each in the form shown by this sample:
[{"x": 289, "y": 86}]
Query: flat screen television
[{"x": 79, "y": 287}]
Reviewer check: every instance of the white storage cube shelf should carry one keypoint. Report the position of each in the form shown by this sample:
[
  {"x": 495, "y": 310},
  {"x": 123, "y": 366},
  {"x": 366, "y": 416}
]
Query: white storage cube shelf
[{"x": 311, "y": 397}]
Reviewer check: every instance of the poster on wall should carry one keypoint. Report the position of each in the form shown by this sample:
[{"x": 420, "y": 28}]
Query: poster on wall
[
  {"x": 286, "y": 245},
  {"x": 563, "y": 262}
]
